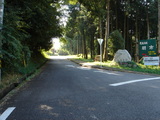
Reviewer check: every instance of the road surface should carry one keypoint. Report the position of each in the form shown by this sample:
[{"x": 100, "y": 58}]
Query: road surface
[{"x": 66, "y": 91}]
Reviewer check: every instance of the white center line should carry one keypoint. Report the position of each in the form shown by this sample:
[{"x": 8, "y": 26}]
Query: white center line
[
  {"x": 5, "y": 115},
  {"x": 133, "y": 81}
]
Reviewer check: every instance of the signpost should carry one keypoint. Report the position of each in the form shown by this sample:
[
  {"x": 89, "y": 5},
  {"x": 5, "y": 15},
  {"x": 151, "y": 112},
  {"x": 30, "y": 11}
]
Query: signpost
[
  {"x": 147, "y": 48},
  {"x": 151, "y": 60},
  {"x": 100, "y": 41}
]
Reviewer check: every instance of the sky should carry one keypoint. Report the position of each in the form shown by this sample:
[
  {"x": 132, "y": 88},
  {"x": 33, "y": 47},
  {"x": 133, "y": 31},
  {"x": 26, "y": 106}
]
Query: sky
[
  {"x": 64, "y": 17},
  {"x": 56, "y": 43}
]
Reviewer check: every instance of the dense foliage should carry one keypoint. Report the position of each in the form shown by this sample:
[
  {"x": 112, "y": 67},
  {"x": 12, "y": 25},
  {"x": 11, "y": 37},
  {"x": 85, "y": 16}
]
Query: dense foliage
[
  {"x": 115, "y": 42},
  {"x": 28, "y": 28}
]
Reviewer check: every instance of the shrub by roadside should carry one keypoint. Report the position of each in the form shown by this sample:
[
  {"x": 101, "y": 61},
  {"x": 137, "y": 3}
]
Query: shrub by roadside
[{"x": 130, "y": 64}]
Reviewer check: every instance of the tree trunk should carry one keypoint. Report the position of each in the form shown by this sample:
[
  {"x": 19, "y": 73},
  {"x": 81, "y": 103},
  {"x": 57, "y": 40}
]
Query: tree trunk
[
  {"x": 116, "y": 9},
  {"x": 1, "y": 22},
  {"x": 128, "y": 41},
  {"x": 78, "y": 44},
  {"x": 159, "y": 27},
  {"x": 148, "y": 27},
  {"x": 84, "y": 45},
  {"x": 100, "y": 27},
  {"x": 92, "y": 48},
  {"x": 124, "y": 31},
  {"x": 136, "y": 42},
  {"x": 105, "y": 56}
]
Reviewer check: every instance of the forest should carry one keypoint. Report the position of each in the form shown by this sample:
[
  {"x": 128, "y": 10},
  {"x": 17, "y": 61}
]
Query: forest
[
  {"x": 29, "y": 25},
  {"x": 120, "y": 23}
]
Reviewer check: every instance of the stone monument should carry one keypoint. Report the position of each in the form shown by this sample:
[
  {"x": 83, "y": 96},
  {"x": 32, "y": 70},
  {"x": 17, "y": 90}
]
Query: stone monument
[{"x": 122, "y": 56}]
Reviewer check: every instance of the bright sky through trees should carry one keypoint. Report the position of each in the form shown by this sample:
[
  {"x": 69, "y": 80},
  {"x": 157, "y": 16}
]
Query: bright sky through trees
[
  {"x": 56, "y": 43},
  {"x": 64, "y": 16}
]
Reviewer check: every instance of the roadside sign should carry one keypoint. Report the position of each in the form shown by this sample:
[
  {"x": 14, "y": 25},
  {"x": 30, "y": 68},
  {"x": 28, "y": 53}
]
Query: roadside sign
[
  {"x": 151, "y": 60},
  {"x": 147, "y": 48},
  {"x": 100, "y": 41}
]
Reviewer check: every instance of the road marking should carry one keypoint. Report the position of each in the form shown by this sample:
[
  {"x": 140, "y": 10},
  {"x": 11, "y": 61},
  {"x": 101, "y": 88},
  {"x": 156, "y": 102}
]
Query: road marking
[
  {"x": 94, "y": 117},
  {"x": 133, "y": 81},
  {"x": 107, "y": 72},
  {"x": 84, "y": 68},
  {"x": 5, "y": 115},
  {"x": 72, "y": 66}
]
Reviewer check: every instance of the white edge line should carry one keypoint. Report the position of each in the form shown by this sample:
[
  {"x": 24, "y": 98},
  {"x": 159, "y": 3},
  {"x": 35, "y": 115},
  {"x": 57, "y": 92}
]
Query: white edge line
[
  {"x": 133, "y": 81},
  {"x": 110, "y": 73},
  {"x": 5, "y": 114}
]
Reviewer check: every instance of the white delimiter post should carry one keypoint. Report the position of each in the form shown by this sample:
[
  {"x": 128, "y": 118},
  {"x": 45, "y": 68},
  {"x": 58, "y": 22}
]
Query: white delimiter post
[
  {"x": 100, "y": 43},
  {"x": 1, "y": 24}
]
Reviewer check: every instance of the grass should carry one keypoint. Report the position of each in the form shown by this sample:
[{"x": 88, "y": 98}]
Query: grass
[
  {"x": 13, "y": 77},
  {"x": 131, "y": 66},
  {"x": 9, "y": 79},
  {"x": 86, "y": 60},
  {"x": 147, "y": 69}
]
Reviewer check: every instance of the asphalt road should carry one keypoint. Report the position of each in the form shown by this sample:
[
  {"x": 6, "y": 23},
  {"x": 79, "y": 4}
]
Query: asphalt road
[{"x": 66, "y": 91}]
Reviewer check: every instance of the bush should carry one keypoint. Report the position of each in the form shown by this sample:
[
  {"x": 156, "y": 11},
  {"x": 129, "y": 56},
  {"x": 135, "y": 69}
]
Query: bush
[
  {"x": 130, "y": 64},
  {"x": 115, "y": 42}
]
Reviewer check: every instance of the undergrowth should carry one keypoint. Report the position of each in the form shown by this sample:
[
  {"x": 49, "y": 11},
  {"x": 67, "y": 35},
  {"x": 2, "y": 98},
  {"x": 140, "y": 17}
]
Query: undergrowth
[
  {"x": 10, "y": 77},
  {"x": 132, "y": 66}
]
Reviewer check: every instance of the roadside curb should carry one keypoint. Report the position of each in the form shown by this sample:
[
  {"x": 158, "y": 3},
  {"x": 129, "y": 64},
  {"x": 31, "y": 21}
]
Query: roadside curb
[
  {"x": 81, "y": 63},
  {"x": 12, "y": 86}
]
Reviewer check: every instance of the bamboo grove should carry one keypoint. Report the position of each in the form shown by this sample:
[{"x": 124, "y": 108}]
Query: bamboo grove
[{"x": 133, "y": 20}]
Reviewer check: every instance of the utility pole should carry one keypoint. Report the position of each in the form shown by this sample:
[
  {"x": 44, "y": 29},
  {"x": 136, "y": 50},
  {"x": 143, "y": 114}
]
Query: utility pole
[{"x": 1, "y": 24}]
